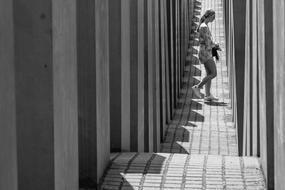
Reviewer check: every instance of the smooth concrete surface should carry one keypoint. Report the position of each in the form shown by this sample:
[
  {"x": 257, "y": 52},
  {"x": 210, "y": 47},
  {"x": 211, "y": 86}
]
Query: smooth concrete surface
[
  {"x": 65, "y": 106},
  {"x": 171, "y": 37},
  {"x": 251, "y": 86},
  {"x": 46, "y": 94},
  {"x": 102, "y": 85},
  {"x": 8, "y": 136},
  {"x": 125, "y": 73},
  {"x": 86, "y": 93},
  {"x": 279, "y": 90},
  {"x": 149, "y": 76},
  {"x": 239, "y": 13},
  {"x": 134, "y": 79},
  {"x": 167, "y": 61},
  {"x": 265, "y": 56},
  {"x": 93, "y": 90},
  {"x": 247, "y": 119},
  {"x": 115, "y": 74},
  {"x": 34, "y": 94},
  {"x": 141, "y": 62},
  {"x": 163, "y": 101},
  {"x": 255, "y": 83},
  {"x": 158, "y": 111}
]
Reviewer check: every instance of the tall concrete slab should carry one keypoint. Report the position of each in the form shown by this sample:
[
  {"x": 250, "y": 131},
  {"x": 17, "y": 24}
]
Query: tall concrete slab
[
  {"x": 265, "y": 59},
  {"x": 149, "y": 76},
  {"x": 163, "y": 101},
  {"x": 126, "y": 74},
  {"x": 279, "y": 90},
  {"x": 65, "y": 106},
  {"x": 247, "y": 121},
  {"x": 115, "y": 24},
  {"x": 255, "y": 82},
  {"x": 157, "y": 102},
  {"x": 175, "y": 55},
  {"x": 93, "y": 88},
  {"x": 102, "y": 84},
  {"x": 141, "y": 64},
  {"x": 239, "y": 13},
  {"x": 171, "y": 37},
  {"x": 8, "y": 135},
  {"x": 46, "y": 94},
  {"x": 87, "y": 118},
  {"x": 137, "y": 75},
  {"x": 167, "y": 60},
  {"x": 134, "y": 75}
]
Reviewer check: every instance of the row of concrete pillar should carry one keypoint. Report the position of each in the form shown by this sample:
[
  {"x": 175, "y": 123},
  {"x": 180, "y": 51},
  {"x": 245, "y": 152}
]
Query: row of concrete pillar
[
  {"x": 255, "y": 54},
  {"x": 80, "y": 79}
]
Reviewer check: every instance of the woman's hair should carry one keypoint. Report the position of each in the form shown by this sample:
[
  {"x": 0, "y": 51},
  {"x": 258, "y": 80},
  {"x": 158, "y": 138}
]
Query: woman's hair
[{"x": 207, "y": 14}]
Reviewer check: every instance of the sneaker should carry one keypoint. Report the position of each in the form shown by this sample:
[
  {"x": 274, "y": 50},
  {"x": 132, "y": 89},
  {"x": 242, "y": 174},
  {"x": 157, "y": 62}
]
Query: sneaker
[
  {"x": 211, "y": 98},
  {"x": 196, "y": 91}
]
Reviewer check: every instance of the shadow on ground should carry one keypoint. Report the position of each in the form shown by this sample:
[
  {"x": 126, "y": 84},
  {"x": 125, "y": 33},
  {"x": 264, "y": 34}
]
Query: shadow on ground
[
  {"x": 211, "y": 103},
  {"x": 129, "y": 170}
]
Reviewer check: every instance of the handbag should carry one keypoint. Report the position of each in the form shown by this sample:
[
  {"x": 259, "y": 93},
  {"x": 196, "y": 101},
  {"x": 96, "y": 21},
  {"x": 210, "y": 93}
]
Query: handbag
[{"x": 215, "y": 53}]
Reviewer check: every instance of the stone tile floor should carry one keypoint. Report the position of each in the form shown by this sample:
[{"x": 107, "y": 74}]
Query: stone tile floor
[
  {"x": 182, "y": 171},
  {"x": 200, "y": 146}
]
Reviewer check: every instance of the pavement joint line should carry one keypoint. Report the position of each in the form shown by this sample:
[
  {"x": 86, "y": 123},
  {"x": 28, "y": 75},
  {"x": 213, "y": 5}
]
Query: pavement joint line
[
  {"x": 224, "y": 173},
  {"x": 163, "y": 178},
  {"x": 209, "y": 129},
  {"x": 126, "y": 170},
  {"x": 241, "y": 160},
  {"x": 146, "y": 170},
  {"x": 185, "y": 171},
  {"x": 115, "y": 157},
  {"x": 204, "y": 182}
]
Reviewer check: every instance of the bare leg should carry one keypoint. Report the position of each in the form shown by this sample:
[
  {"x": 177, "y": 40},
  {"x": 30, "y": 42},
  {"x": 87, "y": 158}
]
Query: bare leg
[
  {"x": 208, "y": 84},
  {"x": 208, "y": 88},
  {"x": 211, "y": 70}
]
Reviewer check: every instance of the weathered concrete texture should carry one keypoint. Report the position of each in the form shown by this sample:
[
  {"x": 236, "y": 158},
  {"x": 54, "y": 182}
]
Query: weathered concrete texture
[
  {"x": 8, "y": 136},
  {"x": 46, "y": 94}
]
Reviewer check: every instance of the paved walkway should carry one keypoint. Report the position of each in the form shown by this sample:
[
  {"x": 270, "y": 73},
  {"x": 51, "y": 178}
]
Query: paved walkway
[
  {"x": 200, "y": 146},
  {"x": 202, "y": 127}
]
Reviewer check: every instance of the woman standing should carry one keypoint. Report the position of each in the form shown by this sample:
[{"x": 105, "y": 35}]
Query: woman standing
[{"x": 205, "y": 55}]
